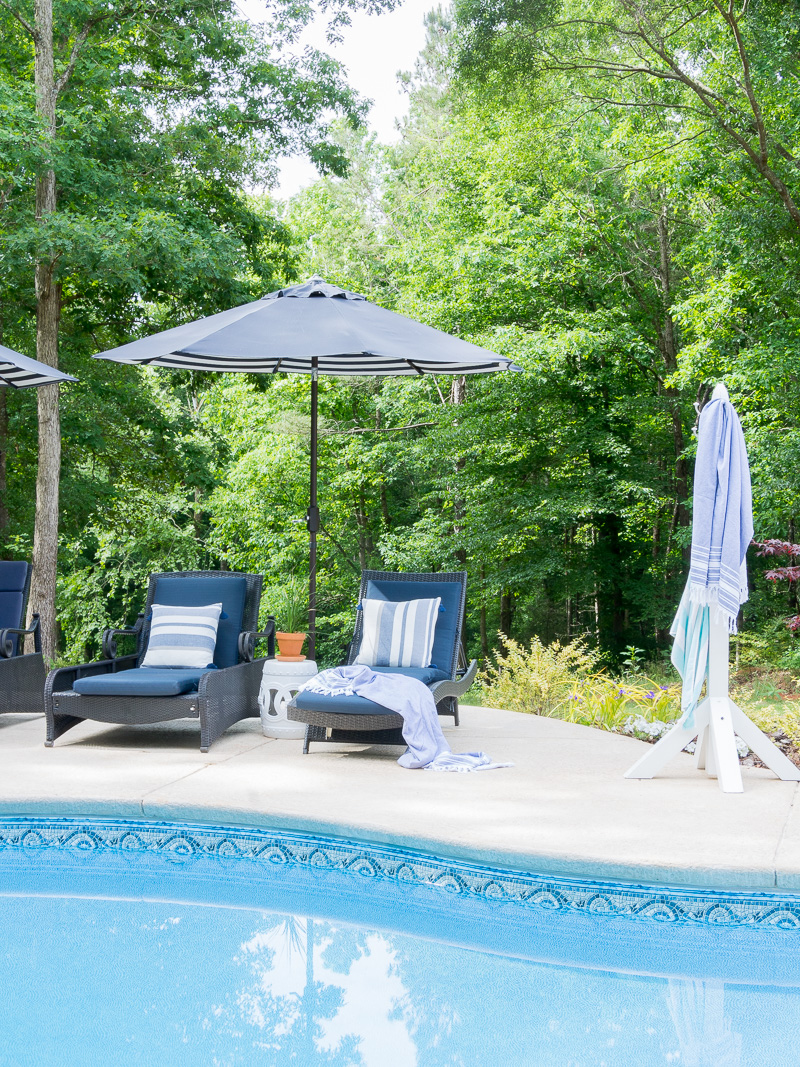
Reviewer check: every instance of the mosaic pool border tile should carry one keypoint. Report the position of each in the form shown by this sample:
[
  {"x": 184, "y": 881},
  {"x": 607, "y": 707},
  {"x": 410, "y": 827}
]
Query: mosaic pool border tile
[{"x": 184, "y": 843}]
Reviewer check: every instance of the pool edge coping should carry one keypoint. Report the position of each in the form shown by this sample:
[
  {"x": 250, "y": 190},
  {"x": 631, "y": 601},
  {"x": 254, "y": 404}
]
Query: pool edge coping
[
  {"x": 718, "y": 879},
  {"x": 38, "y": 839}
]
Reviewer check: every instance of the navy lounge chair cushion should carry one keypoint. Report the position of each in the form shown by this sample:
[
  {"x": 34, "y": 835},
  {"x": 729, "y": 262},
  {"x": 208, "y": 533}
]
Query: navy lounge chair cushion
[
  {"x": 141, "y": 682},
  {"x": 447, "y": 623},
  {"x": 340, "y": 705},
  {"x": 359, "y": 705},
  {"x": 428, "y": 675},
  {"x": 230, "y": 590},
  {"x": 11, "y": 610},
  {"x": 13, "y": 578}
]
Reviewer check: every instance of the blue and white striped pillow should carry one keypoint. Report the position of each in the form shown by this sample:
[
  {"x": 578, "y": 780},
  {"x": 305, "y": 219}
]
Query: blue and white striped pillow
[
  {"x": 182, "y": 637},
  {"x": 398, "y": 634}
]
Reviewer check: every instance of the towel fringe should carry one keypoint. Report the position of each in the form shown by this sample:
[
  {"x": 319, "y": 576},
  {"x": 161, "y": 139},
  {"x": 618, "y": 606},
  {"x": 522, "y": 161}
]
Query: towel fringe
[
  {"x": 328, "y": 691},
  {"x": 703, "y": 594},
  {"x": 708, "y": 595}
]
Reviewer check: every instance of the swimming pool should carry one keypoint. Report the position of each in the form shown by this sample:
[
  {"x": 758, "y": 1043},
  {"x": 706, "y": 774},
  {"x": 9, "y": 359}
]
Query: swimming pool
[{"x": 135, "y": 943}]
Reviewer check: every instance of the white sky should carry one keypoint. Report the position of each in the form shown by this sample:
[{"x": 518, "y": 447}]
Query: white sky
[{"x": 374, "y": 49}]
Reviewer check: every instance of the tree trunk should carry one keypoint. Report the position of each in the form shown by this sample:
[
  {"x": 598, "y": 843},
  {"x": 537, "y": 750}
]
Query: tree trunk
[
  {"x": 387, "y": 518},
  {"x": 792, "y": 602},
  {"x": 48, "y": 301},
  {"x": 365, "y": 543},
  {"x": 197, "y": 516},
  {"x": 484, "y": 635},
  {"x": 610, "y": 602},
  {"x": 458, "y": 394},
  {"x": 506, "y": 612}
]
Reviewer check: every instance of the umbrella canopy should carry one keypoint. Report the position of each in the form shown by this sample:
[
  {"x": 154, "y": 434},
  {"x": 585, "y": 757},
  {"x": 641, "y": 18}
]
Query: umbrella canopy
[
  {"x": 722, "y": 527},
  {"x": 306, "y": 328},
  {"x": 21, "y": 372},
  {"x": 314, "y": 328}
]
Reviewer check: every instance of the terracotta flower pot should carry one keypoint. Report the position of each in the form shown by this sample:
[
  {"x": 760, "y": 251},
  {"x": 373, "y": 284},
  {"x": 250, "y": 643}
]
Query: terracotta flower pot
[{"x": 290, "y": 646}]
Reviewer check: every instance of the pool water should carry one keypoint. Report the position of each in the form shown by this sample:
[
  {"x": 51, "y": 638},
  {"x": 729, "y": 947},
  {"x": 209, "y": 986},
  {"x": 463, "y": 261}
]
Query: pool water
[{"x": 169, "y": 956}]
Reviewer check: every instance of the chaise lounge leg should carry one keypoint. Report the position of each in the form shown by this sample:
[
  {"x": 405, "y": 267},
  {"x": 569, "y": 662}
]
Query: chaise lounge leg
[
  {"x": 448, "y": 706},
  {"x": 58, "y": 725},
  {"x": 314, "y": 733}
]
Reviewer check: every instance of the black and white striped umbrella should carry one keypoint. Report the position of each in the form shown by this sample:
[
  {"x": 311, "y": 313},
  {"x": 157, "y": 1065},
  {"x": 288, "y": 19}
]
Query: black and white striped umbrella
[
  {"x": 21, "y": 372},
  {"x": 314, "y": 328}
]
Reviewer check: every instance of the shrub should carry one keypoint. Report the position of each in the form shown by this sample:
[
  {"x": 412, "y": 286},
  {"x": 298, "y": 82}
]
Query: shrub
[
  {"x": 562, "y": 681},
  {"x": 538, "y": 679}
]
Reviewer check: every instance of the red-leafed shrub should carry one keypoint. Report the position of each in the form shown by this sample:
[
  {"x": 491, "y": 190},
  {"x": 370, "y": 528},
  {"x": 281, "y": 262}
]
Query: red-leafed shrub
[{"x": 789, "y": 573}]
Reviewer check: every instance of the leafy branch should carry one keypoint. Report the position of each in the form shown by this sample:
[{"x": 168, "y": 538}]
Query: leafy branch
[{"x": 789, "y": 573}]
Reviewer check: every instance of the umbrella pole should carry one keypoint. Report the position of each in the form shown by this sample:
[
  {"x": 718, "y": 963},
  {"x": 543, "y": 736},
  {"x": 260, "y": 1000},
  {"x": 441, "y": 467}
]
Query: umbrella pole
[{"x": 312, "y": 517}]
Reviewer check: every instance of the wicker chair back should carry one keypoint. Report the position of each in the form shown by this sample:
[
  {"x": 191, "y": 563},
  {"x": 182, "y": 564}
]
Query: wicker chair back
[
  {"x": 15, "y": 584},
  {"x": 240, "y": 605},
  {"x": 450, "y": 586}
]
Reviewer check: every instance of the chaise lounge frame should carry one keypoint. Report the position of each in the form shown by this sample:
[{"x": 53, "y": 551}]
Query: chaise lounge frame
[
  {"x": 22, "y": 676},
  {"x": 223, "y": 697},
  {"x": 386, "y": 729}
]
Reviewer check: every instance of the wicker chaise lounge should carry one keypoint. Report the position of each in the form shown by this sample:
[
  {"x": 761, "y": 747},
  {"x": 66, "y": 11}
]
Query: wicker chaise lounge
[
  {"x": 356, "y": 720},
  {"x": 21, "y": 677},
  {"x": 117, "y": 689}
]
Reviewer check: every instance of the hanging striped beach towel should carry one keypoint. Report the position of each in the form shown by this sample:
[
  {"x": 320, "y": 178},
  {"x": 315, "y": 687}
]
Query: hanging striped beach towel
[{"x": 722, "y": 520}]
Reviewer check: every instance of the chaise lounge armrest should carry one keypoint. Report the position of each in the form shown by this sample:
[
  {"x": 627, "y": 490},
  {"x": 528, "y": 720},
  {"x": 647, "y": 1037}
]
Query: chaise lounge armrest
[
  {"x": 467, "y": 675},
  {"x": 110, "y": 638},
  {"x": 7, "y": 645},
  {"x": 248, "y": 639},
  {"x": 225, "y": 697}
]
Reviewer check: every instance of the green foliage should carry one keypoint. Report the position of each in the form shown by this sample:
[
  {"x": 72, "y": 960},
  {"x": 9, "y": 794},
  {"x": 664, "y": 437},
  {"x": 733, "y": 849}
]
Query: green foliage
[
  {"x": 611, "y": 703},
  {"x": 167, "y": 112},
  {"x": 105, "y": 581},
  {"x": 563, "y": 681},
  {"x": 607, "y": 232},
  {"x": 289, "y": 602},
  {"x": 538, "y": 679},
  {"x": 634, "y": 659}
]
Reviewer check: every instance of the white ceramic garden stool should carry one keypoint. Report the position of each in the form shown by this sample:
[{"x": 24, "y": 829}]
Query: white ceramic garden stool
[{"x": 279, "y": 683}]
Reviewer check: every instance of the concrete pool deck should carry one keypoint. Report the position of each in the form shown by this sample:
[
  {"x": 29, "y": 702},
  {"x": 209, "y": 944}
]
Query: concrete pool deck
[{"x": 563, "y": 809}]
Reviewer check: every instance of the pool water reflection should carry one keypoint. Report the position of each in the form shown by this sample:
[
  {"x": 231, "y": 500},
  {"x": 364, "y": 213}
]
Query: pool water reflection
[
  {"x": 98, "y": 981},
  {"x": 130, "y": 943}
]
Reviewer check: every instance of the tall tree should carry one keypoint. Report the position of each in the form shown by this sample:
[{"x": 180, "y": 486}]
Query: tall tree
[
  {"x": 722, "y": 69},
  {"x": 150, "y": 116}
]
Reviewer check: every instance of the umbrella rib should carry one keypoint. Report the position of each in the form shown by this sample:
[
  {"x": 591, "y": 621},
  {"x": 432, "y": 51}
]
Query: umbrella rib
[{"x": 413, "y": 366}]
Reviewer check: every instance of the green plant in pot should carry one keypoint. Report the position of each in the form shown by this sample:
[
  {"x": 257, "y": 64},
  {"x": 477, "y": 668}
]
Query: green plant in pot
[{"x": 291, "y": 611}]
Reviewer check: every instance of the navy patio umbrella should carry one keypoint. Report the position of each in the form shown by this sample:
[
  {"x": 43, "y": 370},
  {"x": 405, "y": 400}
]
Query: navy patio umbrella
[{"x": 314, "y": 328}]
